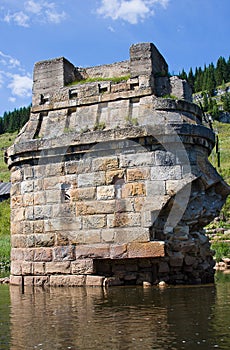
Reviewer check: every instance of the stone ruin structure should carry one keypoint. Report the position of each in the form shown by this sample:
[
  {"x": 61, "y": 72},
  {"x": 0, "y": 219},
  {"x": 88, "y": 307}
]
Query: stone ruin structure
[{"x": 111, "y": 182}]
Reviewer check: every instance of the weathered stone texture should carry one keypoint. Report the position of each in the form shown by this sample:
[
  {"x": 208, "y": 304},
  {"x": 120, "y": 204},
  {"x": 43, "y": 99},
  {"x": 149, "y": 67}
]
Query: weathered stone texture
[{"x": 111, "y": 182}]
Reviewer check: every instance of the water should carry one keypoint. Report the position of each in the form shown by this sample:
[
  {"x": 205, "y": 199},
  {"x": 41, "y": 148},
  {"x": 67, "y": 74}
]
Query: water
[{"x": 118, "y": 318}]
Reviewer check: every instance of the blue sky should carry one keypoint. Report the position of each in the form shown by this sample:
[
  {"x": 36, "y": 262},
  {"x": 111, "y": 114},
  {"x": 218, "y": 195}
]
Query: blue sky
[{"x": 188, "y": 33}]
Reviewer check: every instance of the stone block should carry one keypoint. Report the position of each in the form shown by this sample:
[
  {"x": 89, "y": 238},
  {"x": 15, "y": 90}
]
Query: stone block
[
  {"x": 164, "y": 158},
  {"x": 41, "y": 281},
  {"x": 38, "y": 226},
  {"x": 93, "y": 251},
  {"x": 137, "y": 174},
  {"x": 118, "y": 251},
  {"x": 63, "y": 210},
  {"x": 63, "y": 224},
  {"x": 42, "y": 254},
  {"x": 94, "y": 221},
  {"x": 51, "y": 183},
  {"x": 82, "y": 267},
  {"x": 29, "y": 213},
  {"x": 137, "y": 160},
  {"x": 18, "y": 241},
  {"x": 163, "y": 267},
  {"x": 16, "y": 267},
  {"x": 16, "y": 202},
  {"x": 29, "y": 254},
  {"x": 132, "y": 234},
  {"x": 79, "y": 194},
  {"x": 105, "y": 192},
  {"x": 15, "y": 189},
  {"x": 44, "y": 240},
  {"x": 28, "y": 199},
  {"x": 16, "y": 280},
  {"x": 67, "y": 281},
  {"x": 38, "y": 185},
  {"x": 17, "y": 214},
  {"x": 54, "y": 169},
  {"x": 42, "y": 212},
  {"x": 50, "y": 196},
  {"x": 27, "y": 268},
  {"x": 190, "y": 260},
  {"x": 94, "y": 281},
  {"x": 16, "y": 176},
  {"x": 39, "y": 268},
  {"x": 27, "y": 186},
  {"x": 92, "y": 236},
  {"x": 97, "y": 207},
  {"x": 104, "y": 164},
  {"x": 28, "y": 172},
  {"x": 113, "y": 175},
  {"x": 28, "y": 280},
  {"x": 146, "y": 249},
  {"x": 16, "y": 254},
  {"x": 176, "y": 259},
  {"x": 124, "y": 219},
  {"x": 155, "y": 188},
  {"x": 57, "y": 267},
  {"x": 107, "y": 235},
  {"x": 64, "y": 253},
  {"x": 166, "y": 173},
  {"x": 91, "y": 179},
  {"x": 133, "y": 189}
]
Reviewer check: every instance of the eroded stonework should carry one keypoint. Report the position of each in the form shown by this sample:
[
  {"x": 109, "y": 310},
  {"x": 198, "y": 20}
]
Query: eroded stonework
[{"x": 111, "y": 182}]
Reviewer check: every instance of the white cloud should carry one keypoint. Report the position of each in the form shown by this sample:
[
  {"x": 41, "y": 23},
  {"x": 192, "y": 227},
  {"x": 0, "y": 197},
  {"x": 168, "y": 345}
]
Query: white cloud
[
  {"x": 8, "y": 60},
  {"x": 131, "y": 11},
  {"x": 31, "y": 12},
  {"x": 20, "y": 85},
  {"x": 19, "y": 18},
  {"x": 12, "y": 99},
  {"x": 1, "y": 79},
  {"x": 55, "y": 17},
  {"x": 111, "y": 29},
  {"x": 34, "y": 7}
]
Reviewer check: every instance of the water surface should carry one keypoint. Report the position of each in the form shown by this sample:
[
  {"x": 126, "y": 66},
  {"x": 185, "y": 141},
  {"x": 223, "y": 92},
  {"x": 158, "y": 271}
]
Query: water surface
[{"x": 117, "y": 318}]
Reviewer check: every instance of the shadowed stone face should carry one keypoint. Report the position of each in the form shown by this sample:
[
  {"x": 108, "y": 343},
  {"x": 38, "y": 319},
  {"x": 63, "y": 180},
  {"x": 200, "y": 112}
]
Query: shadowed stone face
[{"x": 110, "y": 180}]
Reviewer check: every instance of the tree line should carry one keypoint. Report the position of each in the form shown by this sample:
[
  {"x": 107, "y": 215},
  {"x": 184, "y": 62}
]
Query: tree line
[
  {"x": 208, "y": 78},
  {"x": 14, "y": 121},
  {"x": 206, "y": 81}
]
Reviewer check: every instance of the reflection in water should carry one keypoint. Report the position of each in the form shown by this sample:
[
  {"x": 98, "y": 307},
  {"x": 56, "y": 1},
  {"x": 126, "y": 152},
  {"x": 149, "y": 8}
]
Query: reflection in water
[{"x": 117, "y": 318}]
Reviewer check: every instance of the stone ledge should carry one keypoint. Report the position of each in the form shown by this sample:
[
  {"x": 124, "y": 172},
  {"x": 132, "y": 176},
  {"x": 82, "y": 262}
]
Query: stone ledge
[{"x": 153, "y": 249}]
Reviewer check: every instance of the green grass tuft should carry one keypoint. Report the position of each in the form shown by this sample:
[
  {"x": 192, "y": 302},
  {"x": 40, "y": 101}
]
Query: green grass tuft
[{"x": 93, "y": 80}]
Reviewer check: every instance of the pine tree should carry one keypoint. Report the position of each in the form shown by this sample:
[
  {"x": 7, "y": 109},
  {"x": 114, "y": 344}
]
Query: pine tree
[
  {"x": 183, "y": 75},
  {"x": 191, "y": 79},
  {"x": 205, "y": 104}
]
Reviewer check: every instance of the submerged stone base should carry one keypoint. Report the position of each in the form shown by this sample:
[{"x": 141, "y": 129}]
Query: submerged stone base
[{"x": 134, "y": 263}]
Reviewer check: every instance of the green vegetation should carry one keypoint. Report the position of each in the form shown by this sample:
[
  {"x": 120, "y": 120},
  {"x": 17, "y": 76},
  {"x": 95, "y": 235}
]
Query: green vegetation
[
  {"x": 211, "y": 86},
  {"x": 6, "y": 140},
  {"x": 208, "y": 78},
  {"x": 5, "y": 235},
  {"x": 14, "y": 121},
  {"x": 221, "y": 242},
  {"x": 93, "y": 80},
  {"x": 222, "y": 250},
  {"x": 131, "y": 121},
  {"x": 99, "y": 126}
]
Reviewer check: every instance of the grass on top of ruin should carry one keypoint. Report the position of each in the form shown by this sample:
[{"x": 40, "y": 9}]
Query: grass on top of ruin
[{"x": 93, "y": 80}]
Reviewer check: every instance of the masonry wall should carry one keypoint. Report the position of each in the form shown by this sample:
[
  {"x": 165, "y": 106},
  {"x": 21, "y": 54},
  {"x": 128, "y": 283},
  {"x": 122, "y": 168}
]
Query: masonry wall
[{"x": 111, "y": 183}]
